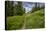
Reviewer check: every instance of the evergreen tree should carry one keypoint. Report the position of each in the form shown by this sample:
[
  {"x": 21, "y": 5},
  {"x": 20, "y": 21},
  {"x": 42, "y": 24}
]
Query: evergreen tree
[
  {"x": 14, "y": 10},
  {"x": 19, "y": 9},
  {"x": 9, "y": 8}
]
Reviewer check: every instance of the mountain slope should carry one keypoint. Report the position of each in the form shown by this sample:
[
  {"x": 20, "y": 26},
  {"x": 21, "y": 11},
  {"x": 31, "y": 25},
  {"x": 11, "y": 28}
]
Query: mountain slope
[
  {"x": 32, "y": 20},
  {"x": 35, "y": 20}
]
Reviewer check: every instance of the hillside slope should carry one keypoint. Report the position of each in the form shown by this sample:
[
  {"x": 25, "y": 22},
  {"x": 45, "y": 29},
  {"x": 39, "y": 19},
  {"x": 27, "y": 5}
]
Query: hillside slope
[
  {"x": 35, "y": 20},
  {"x": 32, "y": 20}
]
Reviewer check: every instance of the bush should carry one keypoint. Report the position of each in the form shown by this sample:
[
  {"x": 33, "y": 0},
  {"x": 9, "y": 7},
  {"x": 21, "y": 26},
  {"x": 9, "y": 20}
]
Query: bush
[{"x": 15, "y": 22}]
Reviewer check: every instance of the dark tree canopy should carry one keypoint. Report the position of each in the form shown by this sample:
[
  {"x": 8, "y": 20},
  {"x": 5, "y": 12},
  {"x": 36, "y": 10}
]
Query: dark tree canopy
[{"x": 14, "y": 10}]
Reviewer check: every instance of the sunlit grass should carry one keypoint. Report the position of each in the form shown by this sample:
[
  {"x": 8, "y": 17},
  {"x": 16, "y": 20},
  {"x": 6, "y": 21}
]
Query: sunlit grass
[
  {"x": 34, "y": 20},
  {"x": 15, "y": 22}
]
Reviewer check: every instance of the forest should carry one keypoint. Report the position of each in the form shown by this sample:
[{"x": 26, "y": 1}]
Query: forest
[{"x": 18, "y": 17}]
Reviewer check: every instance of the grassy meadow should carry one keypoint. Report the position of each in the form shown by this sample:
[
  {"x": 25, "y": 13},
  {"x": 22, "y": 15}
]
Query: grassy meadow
[
  {"x": 33, "y": 20},
  {"x": 36, "y": 19},
  {"x": 24, "y": 15}
]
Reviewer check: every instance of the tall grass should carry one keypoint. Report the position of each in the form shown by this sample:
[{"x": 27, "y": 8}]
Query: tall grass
[
  {"x": 15, "y": 22},
  {"x": 34, "y": 20}
]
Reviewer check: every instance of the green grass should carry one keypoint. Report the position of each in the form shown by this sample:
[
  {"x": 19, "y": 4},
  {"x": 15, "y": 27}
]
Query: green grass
[
  {"x": 15, "y": 22},
  {"x": 34, "y": 20}
]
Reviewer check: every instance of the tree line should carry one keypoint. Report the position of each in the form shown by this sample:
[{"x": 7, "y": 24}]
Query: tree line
[
  {"x": 38, "y": 6},
  {"x": 17, "y": 9},
  {"x": 12, "y": 10}
]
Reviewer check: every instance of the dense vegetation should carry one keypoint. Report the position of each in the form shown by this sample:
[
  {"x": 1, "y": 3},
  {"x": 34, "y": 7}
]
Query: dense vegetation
[
  {"x": 35, "y": 20},
  {"x": 12, "y": 10},
  {"x": 15, "y": 22},
  {"x": 16, "y": 18}
]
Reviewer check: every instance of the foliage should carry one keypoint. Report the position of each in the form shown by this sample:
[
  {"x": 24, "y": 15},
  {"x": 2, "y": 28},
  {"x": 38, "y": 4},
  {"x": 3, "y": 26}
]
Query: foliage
[
  {"x": 13, "y": 10},
  {"x": 36, "y": 19},
  {"x": 37, "y": 7},
  {"x": 16, "y": 16},
  {"x": 15, "y": 22}
]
